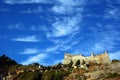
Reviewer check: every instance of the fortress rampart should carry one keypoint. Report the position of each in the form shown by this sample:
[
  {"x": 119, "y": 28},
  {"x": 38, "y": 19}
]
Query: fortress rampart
[{"x": 101, "y": 58}]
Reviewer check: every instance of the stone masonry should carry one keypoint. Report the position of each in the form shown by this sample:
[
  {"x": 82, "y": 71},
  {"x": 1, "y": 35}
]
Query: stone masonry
[{"x": 99, "y": 59}]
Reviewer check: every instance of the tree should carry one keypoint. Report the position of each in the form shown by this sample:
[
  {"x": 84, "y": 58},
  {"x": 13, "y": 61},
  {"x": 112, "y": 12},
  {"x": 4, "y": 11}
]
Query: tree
[
  {"x": 36, "y": 64},
  {"x": 59, "y": 65},
  {"x": 115, "y": 60}
]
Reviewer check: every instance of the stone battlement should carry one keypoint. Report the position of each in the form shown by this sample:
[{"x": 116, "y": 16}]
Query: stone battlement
[{"x": 101, "y": 58}]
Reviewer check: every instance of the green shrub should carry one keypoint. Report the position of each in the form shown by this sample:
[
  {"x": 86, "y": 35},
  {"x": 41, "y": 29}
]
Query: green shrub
[
  {"x": 114, "y": 60},
  {"x": 28, "y": 76},
  {"x": 112, "y": 75}
]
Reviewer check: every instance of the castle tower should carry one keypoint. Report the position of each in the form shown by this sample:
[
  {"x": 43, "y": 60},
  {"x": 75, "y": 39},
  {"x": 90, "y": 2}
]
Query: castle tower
[
  {"x": 107, "y": 58},
  {"x": 93, "y": 57},
  {"x": 67, "y": 58},
  {"x": 92, "y": 54}
]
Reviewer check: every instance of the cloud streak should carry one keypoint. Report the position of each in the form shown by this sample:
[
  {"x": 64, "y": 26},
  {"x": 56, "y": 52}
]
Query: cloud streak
[
  {"x": 17, "y": 26},
  {"x": 26, "y": 1},
  {"x": 71, "y": 2},
  {"x": 107, "y": 38},
  {"x": 36, "y": 58},
  {"x": 66, "y": 9},
  {"x": 112, "y": 12},
  {"x": 64, "y": 2},
  {"x": 58, "y": 61},
  {"x": 66, "y": 27},
  {"x": 65, "y": 31},
  {"x": 37, "y": 10},
  {"x": 26, "y": 39},
  {"x": 30, "y": 51}
]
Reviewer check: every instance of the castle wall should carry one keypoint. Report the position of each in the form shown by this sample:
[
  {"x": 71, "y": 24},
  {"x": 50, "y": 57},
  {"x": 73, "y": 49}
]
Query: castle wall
[
  {"x": 101, "y": 58},
  {"x": 79, "y": 57},
  {"x": 67, "y": 58}
]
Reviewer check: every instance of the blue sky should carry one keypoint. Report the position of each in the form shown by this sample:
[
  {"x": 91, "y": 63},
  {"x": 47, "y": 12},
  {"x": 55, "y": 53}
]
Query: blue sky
[{"x": 43, "y": 30}]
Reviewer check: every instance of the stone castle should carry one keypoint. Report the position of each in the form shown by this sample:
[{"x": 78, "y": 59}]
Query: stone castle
[{"x": 99, "y": 59}]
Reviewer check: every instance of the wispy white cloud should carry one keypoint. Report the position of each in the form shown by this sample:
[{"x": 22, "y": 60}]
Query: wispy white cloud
[
  {"x": 32, "y": 38},
  {"x": 107, "y": 38},
  {"x": 17, "y": 26},
  {"x": 62, "y": 9},
  {"x": 99, "y": 46},
  {"x": 25, "y": 1},
  {"x": 65, "y": 9},
  {"x": 66, "y": 27},
  {"x": 37, "y": 28},
  {"x": 21, "y": 26},
  {"x": 51, "y": 49},
  {"x": 71, "y": 2},
  {"x": 37, "y": 10},
  {"x": 115, "y": 55},
  {"x": 30, "y": 51},
  {"x": 69, "y": 46},
  {"x": 58, "y": 61},
  {"x": 113, "y": 2},
  {"x": 112, "y": 12},
  {"x": 61, "y": 47},
  {"x": 63, "y": 44},
  {"x": 64, "y": 2},
  {"x": 35, "y": 59},
  {"x": 69, "y": 24}
]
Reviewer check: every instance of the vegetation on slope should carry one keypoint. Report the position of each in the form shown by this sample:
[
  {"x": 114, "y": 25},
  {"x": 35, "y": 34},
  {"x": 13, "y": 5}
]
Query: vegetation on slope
[
  {"x": 57, "y": 72},
  {"x": 6, "y": 62}
]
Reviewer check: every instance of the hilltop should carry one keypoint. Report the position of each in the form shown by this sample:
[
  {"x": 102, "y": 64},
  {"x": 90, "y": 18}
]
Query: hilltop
[
  {"x": 6, "y": 62},
  {"x": 10, "y": 70}
]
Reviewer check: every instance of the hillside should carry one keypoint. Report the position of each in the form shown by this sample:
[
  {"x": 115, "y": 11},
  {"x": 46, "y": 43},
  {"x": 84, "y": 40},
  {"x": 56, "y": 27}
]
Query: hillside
[
  {"x": 10, "y": 70},
  {"x": 6, "y": 62}
]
